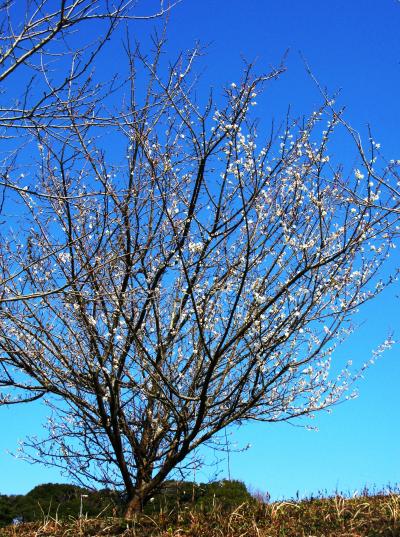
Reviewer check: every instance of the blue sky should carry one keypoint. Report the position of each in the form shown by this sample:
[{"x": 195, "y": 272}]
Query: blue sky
[{"x": 353, "y": 46}]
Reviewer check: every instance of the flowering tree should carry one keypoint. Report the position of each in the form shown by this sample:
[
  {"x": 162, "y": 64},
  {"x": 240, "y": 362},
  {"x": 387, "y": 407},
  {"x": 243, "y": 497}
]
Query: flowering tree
[
  {"x": 48, "y": 54},
  {"x": 190, "y": 281},
  {"x": 37, "y": 37}
]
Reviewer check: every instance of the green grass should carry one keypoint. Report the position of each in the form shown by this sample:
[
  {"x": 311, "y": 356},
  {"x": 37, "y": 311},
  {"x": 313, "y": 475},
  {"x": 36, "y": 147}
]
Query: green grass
[{"x": 337, "y": 516}]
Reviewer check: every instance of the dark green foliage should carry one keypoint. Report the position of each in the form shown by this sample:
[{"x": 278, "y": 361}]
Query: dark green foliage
[
  {"x": 62, "y": 501},
  {"x": 7, "y": 509},
  {"x": 224, "y": 494},
  {"x": 175, "y": 495},
  {"x": 58, "y": 501}
]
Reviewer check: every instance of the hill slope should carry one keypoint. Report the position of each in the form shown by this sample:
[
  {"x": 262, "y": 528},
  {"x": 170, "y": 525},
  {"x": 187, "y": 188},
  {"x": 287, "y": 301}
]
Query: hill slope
[{"x": 365, "y": 516}]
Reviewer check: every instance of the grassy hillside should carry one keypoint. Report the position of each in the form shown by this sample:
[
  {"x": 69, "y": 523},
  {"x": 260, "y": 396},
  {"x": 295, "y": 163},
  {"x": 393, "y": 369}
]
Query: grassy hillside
[{"x": 364, "y": 516}]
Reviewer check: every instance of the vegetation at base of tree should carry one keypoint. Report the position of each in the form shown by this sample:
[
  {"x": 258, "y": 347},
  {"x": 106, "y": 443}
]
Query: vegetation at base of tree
[
  {"x": 337, "y": 516},
  {"x": 63, "y": 501},
  {"x": 55, "y": 500}
]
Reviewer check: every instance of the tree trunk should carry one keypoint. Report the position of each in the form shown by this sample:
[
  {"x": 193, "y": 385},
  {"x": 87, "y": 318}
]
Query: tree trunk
[
  {"x": 144, "y": 487},
  {"x": 137, "y": 502},
  {"x": 135, "y": 506}
]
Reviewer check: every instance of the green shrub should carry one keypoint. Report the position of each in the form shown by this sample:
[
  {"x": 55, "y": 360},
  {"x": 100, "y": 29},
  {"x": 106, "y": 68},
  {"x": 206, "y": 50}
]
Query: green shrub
[
  {"x": 176, "y": 495},
  {"x": 224, "y": 494},
  {"x": 63, "y": 501},
  {"x": 58, "y": 500}
]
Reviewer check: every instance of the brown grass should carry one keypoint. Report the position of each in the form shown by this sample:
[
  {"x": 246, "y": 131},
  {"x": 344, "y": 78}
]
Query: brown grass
[{"x": 364, "y": 516}]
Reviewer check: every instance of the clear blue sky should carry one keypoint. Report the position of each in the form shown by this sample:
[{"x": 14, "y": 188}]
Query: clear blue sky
[{"x": 353, "y": 45}]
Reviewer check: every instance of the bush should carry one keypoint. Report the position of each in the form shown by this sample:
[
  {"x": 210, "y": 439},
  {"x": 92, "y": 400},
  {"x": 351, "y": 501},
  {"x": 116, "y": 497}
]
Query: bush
[
  {"x": 58, "y": 500},
  {"x": 223, "y": 494},
  {"x": 63, "y": 501}
]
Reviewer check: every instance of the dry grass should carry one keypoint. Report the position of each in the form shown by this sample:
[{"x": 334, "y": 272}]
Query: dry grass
[{"x": 364, "y": 516}]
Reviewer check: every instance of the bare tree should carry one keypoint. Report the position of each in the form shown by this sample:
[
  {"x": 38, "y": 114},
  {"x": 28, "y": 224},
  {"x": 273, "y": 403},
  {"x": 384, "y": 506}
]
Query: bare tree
[
  {"x": 48, "y": 58},
  {"x": 39, "y": 38},
  {"x": 186, "y": 282}
]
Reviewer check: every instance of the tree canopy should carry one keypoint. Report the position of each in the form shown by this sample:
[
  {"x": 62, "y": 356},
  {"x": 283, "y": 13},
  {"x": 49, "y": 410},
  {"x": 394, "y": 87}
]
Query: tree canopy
[{"x": 165, "y": 273}]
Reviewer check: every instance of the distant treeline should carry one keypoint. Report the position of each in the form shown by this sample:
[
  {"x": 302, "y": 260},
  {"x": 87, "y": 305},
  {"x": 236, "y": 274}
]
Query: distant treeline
[{"x": 65, "y": 501}]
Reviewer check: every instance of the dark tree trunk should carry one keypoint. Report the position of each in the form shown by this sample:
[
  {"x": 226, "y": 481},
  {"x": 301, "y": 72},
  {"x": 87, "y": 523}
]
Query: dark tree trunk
[
  {"x": 146, "y": 485},
  {"x": 144, "y": 488},
  {"x": 136, "y": 503}
]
